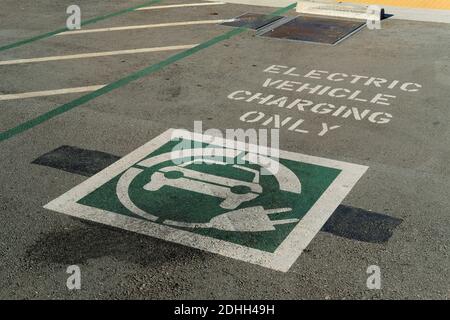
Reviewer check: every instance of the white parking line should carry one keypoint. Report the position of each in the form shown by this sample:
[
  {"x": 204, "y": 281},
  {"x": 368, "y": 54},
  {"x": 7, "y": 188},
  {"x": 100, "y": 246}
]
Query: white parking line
[
  {"x": 146, "y": 26},
  {"x": 201, "y": 4},
  {"x": 49, "y": 92},
  {"x": 96, "y": 54}
]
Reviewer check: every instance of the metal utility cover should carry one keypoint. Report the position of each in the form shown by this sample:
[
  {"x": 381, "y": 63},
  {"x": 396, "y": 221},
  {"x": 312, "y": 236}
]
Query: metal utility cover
[
  {"x": 253, "y": 21},
  {"x": 315, "y": 29}
]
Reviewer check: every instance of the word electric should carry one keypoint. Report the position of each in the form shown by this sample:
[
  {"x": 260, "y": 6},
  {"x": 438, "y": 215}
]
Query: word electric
[{"x": 347, "y": 78}]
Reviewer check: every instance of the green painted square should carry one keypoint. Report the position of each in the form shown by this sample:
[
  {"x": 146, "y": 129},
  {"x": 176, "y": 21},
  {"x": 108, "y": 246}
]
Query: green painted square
[{"x": 170, "y": 203}]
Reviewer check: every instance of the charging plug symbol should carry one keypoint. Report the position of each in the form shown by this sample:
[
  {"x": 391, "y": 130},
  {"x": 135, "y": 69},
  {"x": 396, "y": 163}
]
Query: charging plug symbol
[{"x": 252, "y": 219}]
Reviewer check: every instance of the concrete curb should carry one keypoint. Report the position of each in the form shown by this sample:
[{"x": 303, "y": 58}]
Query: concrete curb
[
  {"x": 340, "y": 9},
  {"x": 332, "y": 8},
  {"x": 401, "y": 13}
]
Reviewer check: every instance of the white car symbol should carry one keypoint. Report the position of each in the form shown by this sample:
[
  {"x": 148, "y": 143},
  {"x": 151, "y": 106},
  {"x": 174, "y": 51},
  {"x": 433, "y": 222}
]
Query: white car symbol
[{"x": 234, "y": 192}]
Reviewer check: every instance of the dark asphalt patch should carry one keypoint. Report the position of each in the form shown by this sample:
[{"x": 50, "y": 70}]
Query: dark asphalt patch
[
  {"x": 75, "y": 160},
  {"x": 362, "y": 225},
  {"x": 348, "y": 222}
]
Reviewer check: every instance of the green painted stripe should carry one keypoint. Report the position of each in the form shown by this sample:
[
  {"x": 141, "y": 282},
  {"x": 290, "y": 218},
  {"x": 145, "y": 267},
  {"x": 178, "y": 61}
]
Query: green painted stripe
[
  {"x": 83, "y": 23},
  {"x": 121, "y": 82}
]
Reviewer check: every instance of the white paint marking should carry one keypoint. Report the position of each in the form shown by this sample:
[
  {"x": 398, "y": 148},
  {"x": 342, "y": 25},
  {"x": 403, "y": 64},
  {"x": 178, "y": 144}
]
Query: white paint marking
[
  {"x": 147, "y": 26},
  {"x": 96, "y": 54},
  {"x": 201, "y": 4},
  {"x": 283, "y": 257},
  {"x": 46, "y": 93}
]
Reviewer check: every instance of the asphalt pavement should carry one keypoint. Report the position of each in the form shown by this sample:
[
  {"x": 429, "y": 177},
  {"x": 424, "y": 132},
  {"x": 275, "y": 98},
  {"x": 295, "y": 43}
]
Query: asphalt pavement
[{"x": 378, "y": 99}]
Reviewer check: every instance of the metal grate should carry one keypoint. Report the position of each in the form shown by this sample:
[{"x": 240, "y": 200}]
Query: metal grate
[
  {"x": 315, "y": 29},
  {"x": 253, "y": 21}
]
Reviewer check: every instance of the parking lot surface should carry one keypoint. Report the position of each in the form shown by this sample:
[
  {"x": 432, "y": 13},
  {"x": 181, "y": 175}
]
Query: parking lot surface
[{"x": 378, "y": 99}]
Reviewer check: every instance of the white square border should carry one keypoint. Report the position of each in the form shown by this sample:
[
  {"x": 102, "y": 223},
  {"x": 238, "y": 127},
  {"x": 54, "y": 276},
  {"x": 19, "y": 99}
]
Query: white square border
[{"x": 283, "y": 257}]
